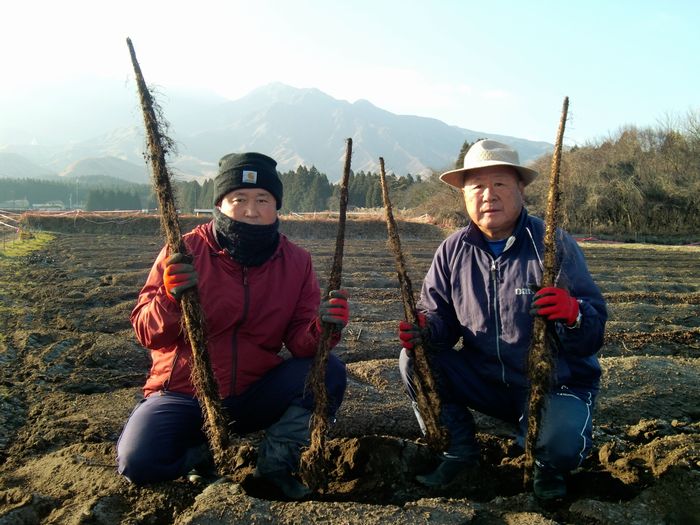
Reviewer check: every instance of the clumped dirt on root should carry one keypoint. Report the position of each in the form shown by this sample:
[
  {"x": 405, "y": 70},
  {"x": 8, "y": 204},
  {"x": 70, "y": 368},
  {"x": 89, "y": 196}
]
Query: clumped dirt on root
[{"x": 71, "y": 372}]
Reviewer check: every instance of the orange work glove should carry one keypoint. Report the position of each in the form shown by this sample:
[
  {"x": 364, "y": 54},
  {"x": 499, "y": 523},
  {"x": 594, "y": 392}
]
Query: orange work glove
[{"x": 179, "y": 275}]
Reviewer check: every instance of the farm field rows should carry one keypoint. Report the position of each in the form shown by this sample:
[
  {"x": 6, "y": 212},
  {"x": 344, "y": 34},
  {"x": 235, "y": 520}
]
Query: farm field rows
[{"x": 72, "y": 371}]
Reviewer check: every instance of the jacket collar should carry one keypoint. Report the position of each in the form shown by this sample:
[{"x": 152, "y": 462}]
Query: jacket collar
[{"x": 474, "y": 236}]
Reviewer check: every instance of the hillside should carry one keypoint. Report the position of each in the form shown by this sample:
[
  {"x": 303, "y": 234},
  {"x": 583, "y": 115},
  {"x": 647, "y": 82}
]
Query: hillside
[
  {"x": 14, "y": 166},
  {"x": 107, "y": 166}
]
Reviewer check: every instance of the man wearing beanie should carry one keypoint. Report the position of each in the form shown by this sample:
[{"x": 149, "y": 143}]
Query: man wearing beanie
[{"x": 259, "y": 293}]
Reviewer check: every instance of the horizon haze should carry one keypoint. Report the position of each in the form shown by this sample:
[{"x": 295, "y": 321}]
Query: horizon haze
[{"x": 502, "y": 71}]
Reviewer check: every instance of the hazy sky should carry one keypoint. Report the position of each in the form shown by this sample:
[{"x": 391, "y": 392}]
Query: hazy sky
[{"x": 502, "y": 67}]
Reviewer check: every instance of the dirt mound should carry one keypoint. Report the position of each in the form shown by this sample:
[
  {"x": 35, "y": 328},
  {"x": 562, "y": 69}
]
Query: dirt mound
[{"x": 71, "y": 373}]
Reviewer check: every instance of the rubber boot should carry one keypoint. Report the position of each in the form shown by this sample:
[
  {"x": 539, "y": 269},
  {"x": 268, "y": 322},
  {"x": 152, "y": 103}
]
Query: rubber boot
[
  {"x": 548, "y": 485},
  {"x": 447, "y": 472},
  {"x": 280, "y": 450},
  {"x": 200, "y": 466},
  {"x": 462, "y": 454}
]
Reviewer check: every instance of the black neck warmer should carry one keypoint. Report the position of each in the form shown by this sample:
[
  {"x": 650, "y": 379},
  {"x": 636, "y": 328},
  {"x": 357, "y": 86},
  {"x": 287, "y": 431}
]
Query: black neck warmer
[{"x": 248, "y": 244}]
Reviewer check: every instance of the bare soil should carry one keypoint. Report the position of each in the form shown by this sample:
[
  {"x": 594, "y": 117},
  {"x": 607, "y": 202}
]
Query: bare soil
[{"x": 71, "y": 371}]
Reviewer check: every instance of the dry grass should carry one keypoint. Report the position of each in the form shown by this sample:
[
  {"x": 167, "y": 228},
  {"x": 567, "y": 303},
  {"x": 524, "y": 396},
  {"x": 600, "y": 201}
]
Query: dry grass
[
  {"x": 593, "y": 246},
  {"x": 320, "y": 226}
]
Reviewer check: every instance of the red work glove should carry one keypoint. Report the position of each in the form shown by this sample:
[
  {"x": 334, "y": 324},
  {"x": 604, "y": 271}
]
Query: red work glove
[
  {"x": 179, "y": 275},
  {"x": 411, "y": 334},
  {"x": 555, "y": 304},
  {"x": 335, "y": 309}
]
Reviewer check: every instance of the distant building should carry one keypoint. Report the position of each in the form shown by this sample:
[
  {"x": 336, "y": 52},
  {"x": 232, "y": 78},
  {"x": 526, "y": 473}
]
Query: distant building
[
  {"x": 49, "y": 206},
  {"x": 17, "y": 204}
]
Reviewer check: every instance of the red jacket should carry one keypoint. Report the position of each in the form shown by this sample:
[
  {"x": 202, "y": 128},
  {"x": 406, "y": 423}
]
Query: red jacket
[{"x": 249, "y": 313}]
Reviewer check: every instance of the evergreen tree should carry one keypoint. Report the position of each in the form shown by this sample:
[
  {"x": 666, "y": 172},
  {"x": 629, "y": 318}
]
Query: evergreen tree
[
  {"x": 459, "y": 163},
  {"x": 319, "y": 190},
  {"x": 374, "y": 195},
  {"x": 95, "y": 200},
  {"x": 206, "y": 196}
]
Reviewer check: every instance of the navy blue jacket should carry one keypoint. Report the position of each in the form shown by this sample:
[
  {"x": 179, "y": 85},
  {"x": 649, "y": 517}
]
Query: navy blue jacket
[{"x": 469, "y": 293}]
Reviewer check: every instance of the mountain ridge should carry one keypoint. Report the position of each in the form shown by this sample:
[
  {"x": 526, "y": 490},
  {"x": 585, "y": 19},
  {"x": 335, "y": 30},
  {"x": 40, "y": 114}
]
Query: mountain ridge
[{"x": 296, "y": 126}]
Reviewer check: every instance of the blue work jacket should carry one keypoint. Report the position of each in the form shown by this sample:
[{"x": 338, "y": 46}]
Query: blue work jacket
[{"x": 484, "y": 300}]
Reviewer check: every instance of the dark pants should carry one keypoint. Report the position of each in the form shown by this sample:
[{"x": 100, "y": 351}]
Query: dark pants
[
  {"x": 564, "y": 438},
  {"x": 162, "y": 438}
]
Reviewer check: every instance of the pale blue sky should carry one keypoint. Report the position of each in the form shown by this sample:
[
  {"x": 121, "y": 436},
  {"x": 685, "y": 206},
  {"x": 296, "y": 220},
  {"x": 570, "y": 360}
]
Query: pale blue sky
[{"x": 499, "y": 67}]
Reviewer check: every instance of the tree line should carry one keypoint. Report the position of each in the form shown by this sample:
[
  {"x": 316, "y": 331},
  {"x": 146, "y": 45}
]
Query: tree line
[
  {"x": 305, "y": 190},
  {"x": 639, "y": 181},
  {"x": 636, "y": 184},
  {"x": 79, "y": 193}
]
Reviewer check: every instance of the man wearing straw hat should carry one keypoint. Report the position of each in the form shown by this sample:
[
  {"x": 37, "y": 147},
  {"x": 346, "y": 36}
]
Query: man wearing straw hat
[{"x": 482, "y": 289}]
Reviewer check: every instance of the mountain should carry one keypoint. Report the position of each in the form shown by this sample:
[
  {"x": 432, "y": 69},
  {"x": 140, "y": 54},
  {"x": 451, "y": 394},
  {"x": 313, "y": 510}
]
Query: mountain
[
  {"x": 14, "y": 166},
  {"x": 294, "y": 126},
  {"x": 106, "y": 167},
  {"x": 306, "y": 126}
]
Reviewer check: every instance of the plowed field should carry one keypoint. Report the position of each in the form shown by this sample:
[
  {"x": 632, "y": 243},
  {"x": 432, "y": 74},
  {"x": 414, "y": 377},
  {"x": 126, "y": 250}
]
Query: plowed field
[{"x": 71, "y": 371}]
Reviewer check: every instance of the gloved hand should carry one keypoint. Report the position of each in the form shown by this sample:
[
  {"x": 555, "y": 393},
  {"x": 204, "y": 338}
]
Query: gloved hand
[
  {"x": 179, "y": 275},
  {"x": 335, "y": 309},
  {"x": 555, "y": 304},
  {"x": 411, "y": 334}
]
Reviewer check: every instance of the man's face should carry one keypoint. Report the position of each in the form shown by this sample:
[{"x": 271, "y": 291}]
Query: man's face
[
  {"x": 250, "y": 205},
  {"x": 494, "y": 199}
]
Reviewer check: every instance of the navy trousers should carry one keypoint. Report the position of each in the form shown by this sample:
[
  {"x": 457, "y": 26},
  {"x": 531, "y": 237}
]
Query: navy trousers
[
  {"x": 564, "y": 439},
  {"x": 163, "y": 436}
]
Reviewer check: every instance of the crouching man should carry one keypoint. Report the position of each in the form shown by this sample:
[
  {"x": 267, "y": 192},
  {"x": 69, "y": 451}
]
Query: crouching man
[
  {"x": 479, "y": 290},
  {"x": 258, "y": 292}
]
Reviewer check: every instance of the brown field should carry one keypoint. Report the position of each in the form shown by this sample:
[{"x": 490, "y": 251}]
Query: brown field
[{"x": 72, "y": 371}]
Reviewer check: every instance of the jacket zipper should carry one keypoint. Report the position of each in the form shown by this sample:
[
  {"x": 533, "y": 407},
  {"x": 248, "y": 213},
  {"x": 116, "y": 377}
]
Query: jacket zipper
[
  {"x": 494, "y": 278},
  {"x": 170, "y": 375},
  {"x": 234, "y": 336}
]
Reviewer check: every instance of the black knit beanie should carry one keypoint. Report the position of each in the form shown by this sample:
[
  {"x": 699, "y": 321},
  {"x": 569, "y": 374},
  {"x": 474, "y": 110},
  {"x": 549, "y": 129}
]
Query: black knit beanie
[{"x": 247, "y": 170}]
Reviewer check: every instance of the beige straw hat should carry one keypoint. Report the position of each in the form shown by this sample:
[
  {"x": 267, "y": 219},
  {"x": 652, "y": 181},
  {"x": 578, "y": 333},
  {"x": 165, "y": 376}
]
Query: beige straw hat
[{"x": 488, "y": 153}]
